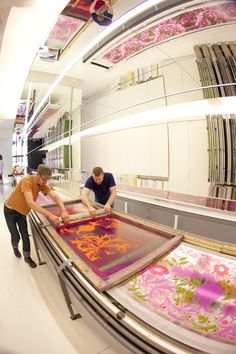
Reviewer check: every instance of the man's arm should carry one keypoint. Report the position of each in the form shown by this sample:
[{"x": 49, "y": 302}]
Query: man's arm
[
  {"x": 75, "y": 3},
  {"x": 64, "y": 213},
  {"x": 85, "y": 199},
  {"x": 33, "y": 205},
  {"x": 92, "y": 6},
  {"x": 109, "y": 7},
  {"x": 110, "y": 200}
]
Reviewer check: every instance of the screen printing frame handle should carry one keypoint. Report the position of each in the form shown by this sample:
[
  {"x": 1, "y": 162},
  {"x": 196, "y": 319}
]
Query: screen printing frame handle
[{"x": 84, "y": 215}]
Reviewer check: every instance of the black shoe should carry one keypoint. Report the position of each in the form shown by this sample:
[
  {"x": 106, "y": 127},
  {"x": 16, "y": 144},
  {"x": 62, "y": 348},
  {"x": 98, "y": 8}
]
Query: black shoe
[
  {"x": 17, "y": 252},
  {"x": 30, "y": 261}
]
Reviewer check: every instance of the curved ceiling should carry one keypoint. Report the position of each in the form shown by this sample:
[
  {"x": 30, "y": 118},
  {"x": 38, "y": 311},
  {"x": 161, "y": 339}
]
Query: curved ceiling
[
  {"x": 24, "y": 27},
  {"x": 21, "y": 38}
]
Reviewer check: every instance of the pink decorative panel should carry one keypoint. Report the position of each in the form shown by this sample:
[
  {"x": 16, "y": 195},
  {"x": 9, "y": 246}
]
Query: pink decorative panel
[
  {"x": 175, "y": 26},
  {"x": 64, "y": 30}
]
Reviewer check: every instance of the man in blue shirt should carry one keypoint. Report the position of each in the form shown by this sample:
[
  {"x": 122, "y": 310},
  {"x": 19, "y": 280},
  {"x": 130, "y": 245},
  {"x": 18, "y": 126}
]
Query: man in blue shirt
[
  {"x": 104, "y": 187},
  {"x": 102, "y": 18}
]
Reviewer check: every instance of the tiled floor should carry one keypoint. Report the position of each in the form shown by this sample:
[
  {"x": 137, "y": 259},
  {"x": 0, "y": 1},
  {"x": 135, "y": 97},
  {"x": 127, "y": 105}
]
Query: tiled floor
[{"x": 33, "y": 315}]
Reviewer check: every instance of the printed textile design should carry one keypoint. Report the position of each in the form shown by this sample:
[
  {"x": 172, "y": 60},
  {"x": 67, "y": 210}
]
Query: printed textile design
[
  {"x": 108, "y": 245},
  {"x": 63, "y": 31},
  {"x": 193, "y": 289},
  {"x": 175, "y": 26}
]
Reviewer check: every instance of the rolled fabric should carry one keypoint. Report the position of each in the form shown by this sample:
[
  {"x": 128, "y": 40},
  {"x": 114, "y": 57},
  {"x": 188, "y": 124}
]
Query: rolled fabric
[{"x": 84, "y": 215}]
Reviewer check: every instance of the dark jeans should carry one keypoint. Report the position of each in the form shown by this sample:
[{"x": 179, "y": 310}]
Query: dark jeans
[{"x": 17, "y": 225}]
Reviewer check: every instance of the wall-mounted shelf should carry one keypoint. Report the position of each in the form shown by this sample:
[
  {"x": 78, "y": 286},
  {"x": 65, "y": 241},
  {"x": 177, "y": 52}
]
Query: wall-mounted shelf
[
  {"x": 48, "y": 112},
  {"x": 154, "y": 178}
]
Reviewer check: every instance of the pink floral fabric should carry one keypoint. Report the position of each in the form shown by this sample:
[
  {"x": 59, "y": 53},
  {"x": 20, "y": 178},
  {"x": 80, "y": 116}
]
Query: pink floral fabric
[
  {"x": 64, "y": 30},
  {"x": 175, "y": 26},
  {"x": 193, "y": 289}
]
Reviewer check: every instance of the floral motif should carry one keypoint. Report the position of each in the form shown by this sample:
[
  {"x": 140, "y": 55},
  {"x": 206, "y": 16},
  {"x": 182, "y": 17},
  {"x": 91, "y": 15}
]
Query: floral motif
[
  {"x": 221, "y": 269},
  {"x": 159, "y": 269}
]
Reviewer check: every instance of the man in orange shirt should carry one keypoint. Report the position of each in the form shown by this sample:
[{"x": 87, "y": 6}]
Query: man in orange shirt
[{"x": 19, "y": 203}]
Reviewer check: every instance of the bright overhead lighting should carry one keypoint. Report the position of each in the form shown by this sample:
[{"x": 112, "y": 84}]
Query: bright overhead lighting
[
  {"x": 182, "y": 111},
  {"x": 177, "y": 112}
]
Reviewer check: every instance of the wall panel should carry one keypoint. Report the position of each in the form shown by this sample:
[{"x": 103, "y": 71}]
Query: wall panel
[{"x": 158, "y": 150}]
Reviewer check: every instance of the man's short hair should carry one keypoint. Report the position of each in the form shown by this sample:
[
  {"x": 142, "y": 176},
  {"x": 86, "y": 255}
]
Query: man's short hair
[
  {"x": 44, "y": 170},
  {"x": 97, "y": 171}
]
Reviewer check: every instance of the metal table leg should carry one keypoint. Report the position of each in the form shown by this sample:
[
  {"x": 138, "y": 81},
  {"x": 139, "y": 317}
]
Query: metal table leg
[
  {"x": 40, "y": 262},
  {"x": 73, "y": 316}
]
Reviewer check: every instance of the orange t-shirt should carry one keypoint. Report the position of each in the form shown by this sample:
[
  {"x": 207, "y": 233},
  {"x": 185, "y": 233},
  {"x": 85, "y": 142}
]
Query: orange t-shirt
[{"x": 16, "y": 199}]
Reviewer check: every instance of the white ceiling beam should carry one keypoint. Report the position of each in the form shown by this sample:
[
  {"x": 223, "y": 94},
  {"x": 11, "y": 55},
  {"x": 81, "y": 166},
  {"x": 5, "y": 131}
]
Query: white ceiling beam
[{"x": 24, "y": 31}]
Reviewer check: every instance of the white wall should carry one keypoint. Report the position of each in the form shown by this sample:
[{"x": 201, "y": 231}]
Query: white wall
[
  {"x": 177, "y": 150},
  {"x": 104, "y": 108},
  {"x": 173, "y": 149},
  {"x": 6, "y": 152},
  {"x": 188, "y": 157},
  {"x": 76, "y": 147},
  {"x": 142, "y": 150},
  {"x": 181, "y": 75}
]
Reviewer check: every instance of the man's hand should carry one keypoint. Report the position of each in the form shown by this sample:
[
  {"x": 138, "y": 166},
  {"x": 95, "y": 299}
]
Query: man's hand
[
  {"x": 54, "y": 219},
  {"x": 65, "y": 217},
  {"x": 92, "y": 212},
  {"x": 107, "y": 208}
]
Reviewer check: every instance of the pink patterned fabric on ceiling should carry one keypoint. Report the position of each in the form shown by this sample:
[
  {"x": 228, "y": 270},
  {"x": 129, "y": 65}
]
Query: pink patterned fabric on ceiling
[
  {"x": 175, "y": 26},
  {"x": 64, "y": 30}
]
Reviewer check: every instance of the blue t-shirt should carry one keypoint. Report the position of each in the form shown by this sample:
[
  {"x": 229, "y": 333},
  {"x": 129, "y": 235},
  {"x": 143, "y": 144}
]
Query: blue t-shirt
[{"x": 101, "y": 191}]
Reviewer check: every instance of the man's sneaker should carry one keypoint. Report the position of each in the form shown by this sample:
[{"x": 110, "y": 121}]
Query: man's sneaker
[
  {"x": 17, "y": 252},
  {"x": 30, "y": 261}
]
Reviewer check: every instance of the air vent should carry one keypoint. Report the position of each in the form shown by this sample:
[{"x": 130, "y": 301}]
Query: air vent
[{"x": 100, "y": 65}]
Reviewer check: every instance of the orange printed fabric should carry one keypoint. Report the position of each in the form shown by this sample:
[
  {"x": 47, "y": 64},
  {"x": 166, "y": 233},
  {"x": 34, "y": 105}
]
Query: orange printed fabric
[{"x": 108, "y": 244}]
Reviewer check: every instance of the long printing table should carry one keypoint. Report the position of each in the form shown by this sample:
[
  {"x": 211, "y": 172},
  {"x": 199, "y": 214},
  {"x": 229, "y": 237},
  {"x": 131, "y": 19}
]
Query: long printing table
[{"x": 155, "y": 289}]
